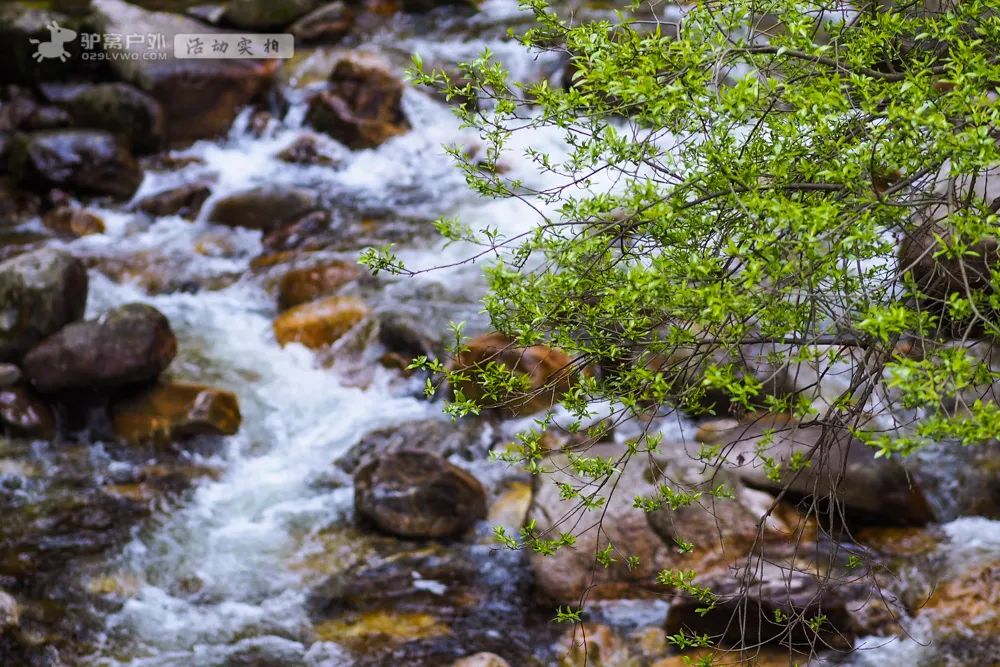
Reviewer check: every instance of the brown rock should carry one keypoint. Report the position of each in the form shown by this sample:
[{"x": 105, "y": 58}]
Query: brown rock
[
  {"x": 200, "y": 97},
  {"x": 311, "y": 231},
  {"x": 265, "y": 208},
  {"x": 25, "y": 413},
  {"x": 362, "y": 107},
  {"x": 414, "y": 493},
  {"x": 591, "y": 644},
  {"x": 171, "y": 410},
  {"x": 308, "y": 284},
  {"x": 184, "y": 201},
  {"x": 16, "y": 205},
  {"x": 305, "y": 150},
  {"x": 328, "y": 23},
  {"x": 122, "y": 110},
  {"x": 318, "y": 323},
  {"x": 69, "y": 221},
  {"x": 10, "y": 374},
  {"x": 968, "y": 604},
  {"x": 130, "y": 344},
  {"x": 550, "y": 372},
  {"x": 481, "y": 660}
]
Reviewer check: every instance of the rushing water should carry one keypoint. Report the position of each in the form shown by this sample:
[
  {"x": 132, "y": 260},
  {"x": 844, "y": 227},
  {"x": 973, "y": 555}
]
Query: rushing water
[{"x": 239, "y": 536}]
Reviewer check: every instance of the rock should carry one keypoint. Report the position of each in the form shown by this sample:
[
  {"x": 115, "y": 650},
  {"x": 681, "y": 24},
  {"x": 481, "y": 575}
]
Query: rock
[
  {"x": 124, "y": 110},
  {"x": 266, "y": 208},
  {"x": 266, "y": 14},
  {"x": 169, "y": 411},
  {"x": 300, "y": 286},
  {"x": 481, "y": 660},
  {"x": 591, "y": 645},
  {"x": 361, "y": 109},
  {"x": 747, "y": 615},
  {"x": 417, "y": 6},
  {"x": 70, "y": 221},
  {"x": 130, "y": 344},
  {"x": 318, "y": 323},
  {"x": 865, "y": 488},
  {"x": 310, "y": 232},
  {"x": 10, "y": 374},
  {"x": 436, "y": 436},
  {"x": 550, "y": 372},
  {"x": 305, "y": 150},
  {"x": 967, "y": 605},
  {"x": 90, "y": 161},
  {"x": 21, "y": 111},
  {"x": 328, "y": 23},
  {"x": 19, "y": 24},
  {"x": 200, "y": 97},
  {"x": 10, "y": 613},
  {"x": 185, "y": 201},
  {"x": 414, "y": 493},
  {"x": 25, "y": 413},
  {"x": 41, "y": 291},
  {"x": 510, "y": 509},
  {"x": 16, "y": 205}
]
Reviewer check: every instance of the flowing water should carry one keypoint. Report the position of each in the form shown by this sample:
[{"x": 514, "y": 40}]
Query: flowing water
[{"x": 216, "y": 572}]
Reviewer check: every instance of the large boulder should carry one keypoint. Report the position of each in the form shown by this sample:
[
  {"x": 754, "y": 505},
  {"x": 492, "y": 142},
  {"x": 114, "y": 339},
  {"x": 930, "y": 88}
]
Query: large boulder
[
  {"x": 265, "y": 208},
  {"x": 40, "y": 292},
  {"x": 200, "y": 97},
  {"x": 550, "y": 372},
  {"x": 841, "y": 474},
  {"x": 415, "y": 493},
  {"x": 124, "y": 110},
  {"x": 362, "y": 106},
  {"x": 319, "y": 323},
  {"x": 266, "y": 14},
  {"x": 90, "y": 161},
  {"x": 21, "y": 22},
  {"x": 130, "y": 344},
  {"x": 169, "y": 411}
]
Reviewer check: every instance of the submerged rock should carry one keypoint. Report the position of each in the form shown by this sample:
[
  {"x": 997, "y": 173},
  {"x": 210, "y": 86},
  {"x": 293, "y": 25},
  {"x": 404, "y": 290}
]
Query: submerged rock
[
  {"x": 319, "y": 323},
  {"x": 71, "y": 221},
  {"x": 414, "y": 493},
  {"x": 40, "y": 292},
  {"x": 299, "y": 286},
  {"x": 89, "y": 161},
  {"x": 306, "y": 150},
  {"x": 362, "y": 108},
  {"x": 265, "y": 208},
  {"x": 200, "y": 97},
  {"x": 550, "y": 372},
  {"x": 128, "y": 345},
  {"x": 25, "y": 413},
  {"x": 172, "y": 410}
]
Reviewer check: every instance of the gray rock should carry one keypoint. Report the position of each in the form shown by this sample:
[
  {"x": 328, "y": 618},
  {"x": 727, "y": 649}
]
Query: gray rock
[
  {"x": 124, "y": 110},
  {"x": 40, "y": 292},
  {"x": 266, "y": 208},
  {"x": 9, "y": 374}
]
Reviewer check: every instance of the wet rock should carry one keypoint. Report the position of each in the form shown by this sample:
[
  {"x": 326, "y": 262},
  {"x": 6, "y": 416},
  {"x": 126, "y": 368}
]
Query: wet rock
[
  {"x": 310, "y": 232},
  {"x": 845, "y": 471},
  {"x": 21, "y": 111},
  {"x": 10, "y": 374},
  {"x": 10, "y": 613},
  {"x": 510, "y": 509},
  {"x": 25, "y": 413},
  {"x": 300, "y": 286},
  {"x": 266, "y": 208},
  {"x": 89, "y": 161},
  {"x": 169, "y": 411},
  {"x": 22, "y": 22},
  {"x": 319, "y": 323},
  {"x": 266, "y": 14},
  {"x": 124, "y": 110},
  {"x": 436, "y": 436},
  {"x": 773, "y": 607},
  {"x": 967, "y": 606},
  {"x": 328, "y": 24},
  {"x": 591, "y": 644},
  {"x": 200, "y": 98},
  {"x": 306, "y": 150},
  {"x": 414, "y": 493},
  {"x": 130, "y": 344},
  {"x": 41, "y": 291},
  {"x": 481, "y": 660},
  {"x": 361, "y": 108},
  {"x": 185, "y": 201},
  {"x": 550, "y": 372},
  {"x": 71, "y": 221}
]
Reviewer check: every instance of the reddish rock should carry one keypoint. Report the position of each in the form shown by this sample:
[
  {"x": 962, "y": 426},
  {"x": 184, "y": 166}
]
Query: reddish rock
[
  {"x": 184, "y": 201},
  {"x": 172, "y": 410},
  {"x": 308, "y": 284},
  {"x": 318, "y": 323},
  {"x": 70, "y": 221}
]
